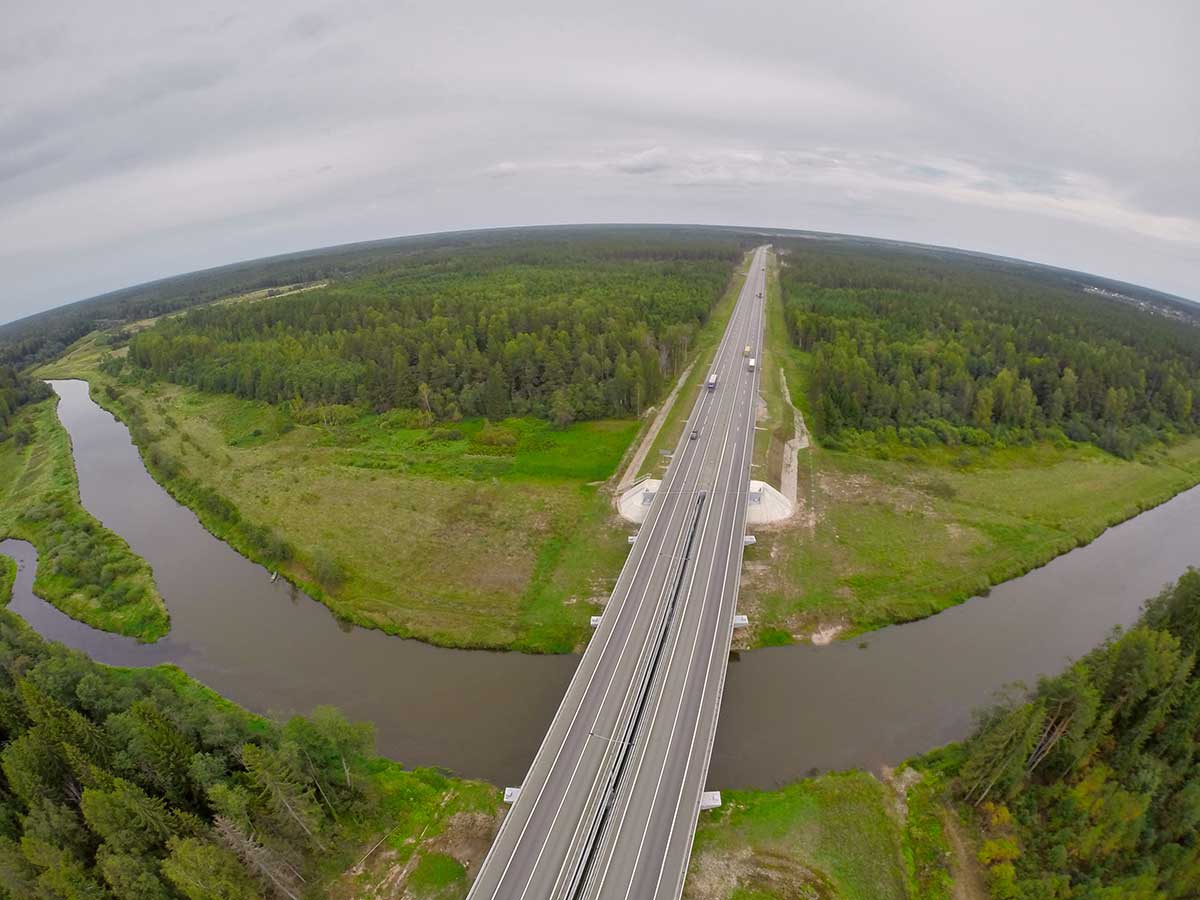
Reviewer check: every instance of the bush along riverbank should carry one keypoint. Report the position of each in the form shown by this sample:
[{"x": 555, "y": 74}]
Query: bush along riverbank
[
  {"x": 86, "y": 570},
  {"x": 141, "y": 783},
  {"x": 1089, "y": 785}
]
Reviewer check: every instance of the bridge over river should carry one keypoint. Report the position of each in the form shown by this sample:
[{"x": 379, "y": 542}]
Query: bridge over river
[{"x": 609, "y": 806}]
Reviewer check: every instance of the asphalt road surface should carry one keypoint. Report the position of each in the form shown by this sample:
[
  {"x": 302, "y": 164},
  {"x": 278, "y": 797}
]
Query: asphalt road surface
[{"x": 609, "y": 806}]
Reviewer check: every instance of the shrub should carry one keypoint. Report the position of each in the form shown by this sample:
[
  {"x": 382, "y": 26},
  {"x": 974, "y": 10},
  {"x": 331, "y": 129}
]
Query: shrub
[{"x": 327, "y": 568}]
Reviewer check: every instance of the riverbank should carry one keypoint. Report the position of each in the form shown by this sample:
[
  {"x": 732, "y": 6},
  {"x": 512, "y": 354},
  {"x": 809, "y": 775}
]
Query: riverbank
[
  {"x": 426, "y": 833},
  {"x": 903, "y": 533},
  {"x": 467, "y": 534},
  {"x": 495, "y": 536},
  {"x": 89, "y": 572},
  {"x": 503, "y": 537},
  {"x": 365, "y": 813}
]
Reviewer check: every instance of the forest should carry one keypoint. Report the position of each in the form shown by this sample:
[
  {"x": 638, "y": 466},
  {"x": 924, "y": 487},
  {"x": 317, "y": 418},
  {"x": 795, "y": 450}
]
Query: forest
[
  {"x": 46, "y": 335},
  {"x": 140, "y": 784},
  {"x": 930, "y": 348},
  {"x": 17, "y": 390},
  {"x": 564, "y": 333},
  {"x": 1090, "y": 787}
]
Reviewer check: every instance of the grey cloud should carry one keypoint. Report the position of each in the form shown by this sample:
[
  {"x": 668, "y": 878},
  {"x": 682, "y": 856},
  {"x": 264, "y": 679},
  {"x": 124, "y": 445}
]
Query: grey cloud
[
  {"x": 310, "y": 26},
  {"x": 137, "y": 142},
  {"x": 656, "y": 159}
]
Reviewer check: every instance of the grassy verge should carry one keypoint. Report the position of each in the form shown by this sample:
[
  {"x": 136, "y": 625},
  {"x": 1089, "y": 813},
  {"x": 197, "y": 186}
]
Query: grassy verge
[
  {"x": 707, "y": 341},
  {"x": 84, "y": 569},
  {"x": 776, "y": 425},
  {"x": 905, "y": 533},
  {"x": 843, "y": 835}
]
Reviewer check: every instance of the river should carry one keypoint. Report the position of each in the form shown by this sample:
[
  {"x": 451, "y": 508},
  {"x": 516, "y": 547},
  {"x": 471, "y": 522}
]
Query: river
[{"x": 786, "y": 712}]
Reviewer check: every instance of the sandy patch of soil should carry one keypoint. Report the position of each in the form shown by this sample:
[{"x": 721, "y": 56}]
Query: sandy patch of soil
[
  {"x": 899, "y": 781},
  {"x": 969, "y": 883},
  {"x": 466, "y": 837},
  {"x": 826, "y": 633},
  {"x": 766, "y": 872}
]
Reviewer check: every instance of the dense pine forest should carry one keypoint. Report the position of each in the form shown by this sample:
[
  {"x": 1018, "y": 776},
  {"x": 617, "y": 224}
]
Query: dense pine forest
[
  {"x": 44, "y": 336},
  {"x": 561, "y": 333},
  {"x": 16, "y": 390},
  {"x": 140, "y": 784},
  {"x": 1091, "y": 788},
  {"x": 931, "y": 348}
]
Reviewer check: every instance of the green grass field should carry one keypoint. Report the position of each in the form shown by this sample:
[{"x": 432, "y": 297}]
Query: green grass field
[
  {"x": 84, "y": 569},
  {"x": 906, "y": 532},
  {"x": 472, "y": 534},
  {"x": 501, "y": 535},
  {"x": 893, "y": 540},
  {"x": 842, "y": 835},
  {"x": 469, "y": 534}
]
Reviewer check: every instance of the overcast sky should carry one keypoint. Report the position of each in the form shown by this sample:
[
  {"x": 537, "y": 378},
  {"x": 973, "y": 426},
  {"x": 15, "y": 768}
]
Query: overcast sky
[{"x": 139, "y": 140}]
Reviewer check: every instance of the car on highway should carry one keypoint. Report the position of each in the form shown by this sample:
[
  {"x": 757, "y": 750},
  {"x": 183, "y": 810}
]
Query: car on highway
[{"x": 695, "y": 433}]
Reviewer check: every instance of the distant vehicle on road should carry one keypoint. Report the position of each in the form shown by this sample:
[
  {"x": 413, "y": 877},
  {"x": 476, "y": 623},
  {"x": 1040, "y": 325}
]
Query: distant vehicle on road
[
  {"x": 712, "y": 382},
  {"x": 752, "y": 362},
  {"x": 746, "y": 352},
  {"x": 695, "y": 433}
]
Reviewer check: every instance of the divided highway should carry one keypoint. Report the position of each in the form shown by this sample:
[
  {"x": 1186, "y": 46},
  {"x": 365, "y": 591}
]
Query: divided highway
[{"x": 609, "y": 806}]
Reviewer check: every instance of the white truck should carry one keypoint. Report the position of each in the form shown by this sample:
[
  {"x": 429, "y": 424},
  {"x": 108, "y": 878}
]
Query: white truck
[
  {"x": 752, "y": 361},
  {"x": 712, "y": 382}
]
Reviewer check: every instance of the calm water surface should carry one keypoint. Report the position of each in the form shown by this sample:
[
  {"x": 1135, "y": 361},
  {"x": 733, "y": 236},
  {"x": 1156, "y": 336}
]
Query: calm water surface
[{"x": 786, "y": 710}]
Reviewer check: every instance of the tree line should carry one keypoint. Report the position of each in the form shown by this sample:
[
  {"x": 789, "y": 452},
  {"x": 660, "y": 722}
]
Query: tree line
[
  {"x": 17, "y": 390},
  {"x": 130, "y": 784},
  {"x": 45, "y": 336},
  {"x": 1090, "y": 787},
  {"x": 563, "y": 333},
  {"x": 933, "y": 349}
]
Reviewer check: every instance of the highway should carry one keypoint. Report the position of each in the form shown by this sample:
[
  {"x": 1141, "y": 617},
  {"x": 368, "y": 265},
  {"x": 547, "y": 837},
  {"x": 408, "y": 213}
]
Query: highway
[{"x": 609, "y": 805}]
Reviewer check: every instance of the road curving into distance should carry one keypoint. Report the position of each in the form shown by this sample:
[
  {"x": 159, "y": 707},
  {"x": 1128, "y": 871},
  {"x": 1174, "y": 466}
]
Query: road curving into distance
[{"x": 609, "y": 805}]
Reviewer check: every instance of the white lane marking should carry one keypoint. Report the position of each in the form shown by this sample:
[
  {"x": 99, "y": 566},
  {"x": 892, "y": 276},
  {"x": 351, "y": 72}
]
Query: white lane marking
[
  {"x": 690, "y": 835},
  {"x": 722, "y": 460},
  {"x": 605, "y": 756},
  {"x": 735, "y": 473},
  {"x": 744, "y": 324},
  {"x": 696, "y": 411},
  {"x": 690, "y": 658},
  {"x": 685, "y": 463}
]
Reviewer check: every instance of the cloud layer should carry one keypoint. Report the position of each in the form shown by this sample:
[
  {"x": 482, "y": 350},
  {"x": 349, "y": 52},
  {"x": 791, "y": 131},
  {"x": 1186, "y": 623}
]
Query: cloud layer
[{"x": 139, "y": 140}]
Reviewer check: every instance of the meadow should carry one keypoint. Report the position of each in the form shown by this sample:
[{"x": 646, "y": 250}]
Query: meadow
[
  {"x": 470, "y": 534},
  {"x": 895, "y": 532},
  {"x": 843, "y": 835}
]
